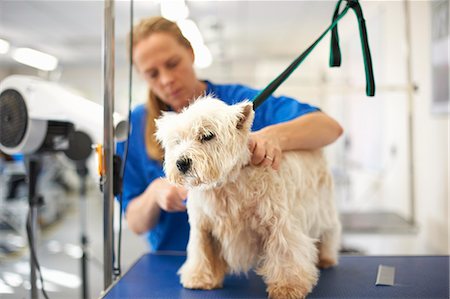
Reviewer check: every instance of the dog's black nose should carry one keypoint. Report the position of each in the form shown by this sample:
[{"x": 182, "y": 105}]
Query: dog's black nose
[{"x": 184, "y": 164}]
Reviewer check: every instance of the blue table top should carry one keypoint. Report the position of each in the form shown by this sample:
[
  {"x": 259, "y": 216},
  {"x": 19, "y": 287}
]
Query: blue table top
[{"x": 154, "y": 276}]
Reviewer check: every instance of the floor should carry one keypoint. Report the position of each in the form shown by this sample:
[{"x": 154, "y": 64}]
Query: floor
[{"x": 59, "y": 252}]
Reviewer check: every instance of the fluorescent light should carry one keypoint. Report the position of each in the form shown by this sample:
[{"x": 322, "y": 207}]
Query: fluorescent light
[
  {"x": 191, "y": 31},
  {"x": 55, "y": 276},
  {"x": 203, "y": 57},
  {"x": 5, "y": 289},
  {"x": 73, "y": 251},
  {"x": 4, "y": 46},
  {"x": 174, "y": 10},
  {"x": 12, "y": 279},
  {"x": 61, "y": 278},
  {"x": 35, "y": 59}
]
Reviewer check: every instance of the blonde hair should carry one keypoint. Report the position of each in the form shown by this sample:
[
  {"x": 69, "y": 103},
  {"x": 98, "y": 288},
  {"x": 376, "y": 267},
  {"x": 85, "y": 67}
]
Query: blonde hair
[{"x": 155, "y": 106}]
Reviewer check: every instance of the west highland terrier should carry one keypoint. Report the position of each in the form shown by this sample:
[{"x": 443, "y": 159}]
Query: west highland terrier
[{"x": 282, "y": 223}]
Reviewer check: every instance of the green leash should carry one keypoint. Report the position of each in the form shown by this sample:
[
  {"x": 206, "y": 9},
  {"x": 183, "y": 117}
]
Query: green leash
[{"x": 335, "y": 53}]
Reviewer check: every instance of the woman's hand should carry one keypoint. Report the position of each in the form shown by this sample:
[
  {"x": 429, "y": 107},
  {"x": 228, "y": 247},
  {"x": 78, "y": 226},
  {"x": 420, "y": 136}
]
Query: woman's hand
[
  {"x": 143, "y": 211},
  {"x": 169, "y": 197},
  {"x": 265, "y": 149},
  {"x": 307, "y": 132}
]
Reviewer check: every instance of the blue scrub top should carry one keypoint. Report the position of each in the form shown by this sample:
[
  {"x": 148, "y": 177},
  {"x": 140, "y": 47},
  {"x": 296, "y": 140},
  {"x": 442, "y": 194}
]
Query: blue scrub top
[{"x": 172, "y": 230}]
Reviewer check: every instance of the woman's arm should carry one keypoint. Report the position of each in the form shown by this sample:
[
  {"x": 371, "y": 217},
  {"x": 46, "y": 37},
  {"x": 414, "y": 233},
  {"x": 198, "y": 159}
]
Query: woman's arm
[
  {"x": 308, "y": 132},
  {"x": 143, "y": 211}
]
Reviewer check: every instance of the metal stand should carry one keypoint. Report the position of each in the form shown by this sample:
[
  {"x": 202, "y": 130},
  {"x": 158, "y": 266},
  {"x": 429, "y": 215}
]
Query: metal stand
[
  {"x": 410, "y": 107},
  {"x": 108, "y": 142},
  {"x": 79, "y": 150},
  {"x": 82, "y": 172},
  {"x": 34, "y": 201}
]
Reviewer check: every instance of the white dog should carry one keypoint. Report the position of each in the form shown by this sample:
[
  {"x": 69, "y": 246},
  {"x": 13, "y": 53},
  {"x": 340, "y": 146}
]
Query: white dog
[{"x": 281, "y": 223}]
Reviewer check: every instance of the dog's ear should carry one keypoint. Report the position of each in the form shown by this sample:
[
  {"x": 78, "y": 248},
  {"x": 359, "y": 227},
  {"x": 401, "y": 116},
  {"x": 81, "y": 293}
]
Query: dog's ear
[
  {"x": 245, "y": 115},
  {"x": 163, "y": 124}
]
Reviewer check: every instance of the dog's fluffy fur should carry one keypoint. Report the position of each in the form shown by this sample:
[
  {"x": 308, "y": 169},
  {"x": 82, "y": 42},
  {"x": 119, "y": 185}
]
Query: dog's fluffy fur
[{"x": 281, "y": 223}]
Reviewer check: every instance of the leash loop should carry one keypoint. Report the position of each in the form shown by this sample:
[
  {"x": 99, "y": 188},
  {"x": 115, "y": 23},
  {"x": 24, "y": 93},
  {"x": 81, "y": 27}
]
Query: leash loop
[{"x": 335, "y": 53}]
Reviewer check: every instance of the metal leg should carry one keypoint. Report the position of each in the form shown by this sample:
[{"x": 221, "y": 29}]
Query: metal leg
[
  {"x": 82, "y": 172},
  {"x": 34, "y": 201}
]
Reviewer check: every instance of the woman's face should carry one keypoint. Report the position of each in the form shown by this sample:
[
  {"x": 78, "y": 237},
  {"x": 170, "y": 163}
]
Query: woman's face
[{"x": 167, "y": 66}]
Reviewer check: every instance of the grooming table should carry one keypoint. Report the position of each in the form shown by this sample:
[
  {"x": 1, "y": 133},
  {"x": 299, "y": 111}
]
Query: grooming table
[{"x": 154, "y": 276}]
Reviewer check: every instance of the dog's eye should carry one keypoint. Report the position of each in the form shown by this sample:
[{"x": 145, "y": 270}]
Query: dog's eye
[{"x": 207, "y": 137}]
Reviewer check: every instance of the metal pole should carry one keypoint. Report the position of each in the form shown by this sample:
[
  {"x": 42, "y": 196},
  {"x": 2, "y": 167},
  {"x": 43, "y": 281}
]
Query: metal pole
[
  {"x": 410, "y": 105},
  {"x": 108, "y": 146},
  {"x": 82, "y": 171},
  {"x": 33, "y": 277},
  {"x": 33, "y": 201}
]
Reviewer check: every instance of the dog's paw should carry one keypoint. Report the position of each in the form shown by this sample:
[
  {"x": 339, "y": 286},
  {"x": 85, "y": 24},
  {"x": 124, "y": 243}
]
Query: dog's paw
[
  {"x": 200, "y": 281},
  {"x": 198, "y": 278},
  {"x": 287, "y": 292},
  {"x": 325, "y": 262}
]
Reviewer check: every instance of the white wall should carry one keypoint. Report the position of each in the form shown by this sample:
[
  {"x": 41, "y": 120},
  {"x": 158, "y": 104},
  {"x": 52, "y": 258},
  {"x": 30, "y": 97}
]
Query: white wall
[
  {"x": 431, "y": 139},
  {"x": 379, "y": 127}
]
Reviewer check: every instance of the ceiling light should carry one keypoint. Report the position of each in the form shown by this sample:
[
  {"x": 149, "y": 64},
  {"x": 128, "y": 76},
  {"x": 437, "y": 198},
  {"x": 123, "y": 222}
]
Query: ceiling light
[
  {"x": 35, "y": 59},
  {"x": 190, "y": 31},
  {"x": 203, "y": 57},
  {"x": 5, "y": 289},
  {"x": 4, "y": 46},
  {"x": 174, "y": 10}
]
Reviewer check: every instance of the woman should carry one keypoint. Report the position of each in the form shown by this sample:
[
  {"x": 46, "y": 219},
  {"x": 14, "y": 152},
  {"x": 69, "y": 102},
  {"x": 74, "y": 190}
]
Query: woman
[{"x": 164, "y": 58}]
